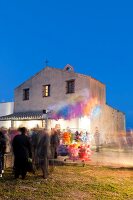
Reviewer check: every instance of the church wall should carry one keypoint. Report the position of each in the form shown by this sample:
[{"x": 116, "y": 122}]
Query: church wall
[
  {"x": 84, "y": 86},
  {"x": 110, "y": 123}
]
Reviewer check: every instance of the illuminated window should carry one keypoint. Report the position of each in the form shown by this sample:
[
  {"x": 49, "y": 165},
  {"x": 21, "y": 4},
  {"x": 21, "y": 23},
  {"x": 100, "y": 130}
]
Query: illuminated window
[
  {"x": 70, "y": 86},
  {"x": 26, "y": 94},
  {"x": 46, "y": 91}
]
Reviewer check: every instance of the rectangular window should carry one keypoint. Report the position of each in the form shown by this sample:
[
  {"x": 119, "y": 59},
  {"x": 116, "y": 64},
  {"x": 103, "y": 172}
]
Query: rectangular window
[
  {"x": 46, "y": 91},
  {"x": 70, "y": 86},
  {"x": 26, "y": 94}
]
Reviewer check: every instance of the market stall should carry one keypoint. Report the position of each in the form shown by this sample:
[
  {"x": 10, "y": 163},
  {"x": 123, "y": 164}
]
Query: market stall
[{"x": 75, "y": 145}]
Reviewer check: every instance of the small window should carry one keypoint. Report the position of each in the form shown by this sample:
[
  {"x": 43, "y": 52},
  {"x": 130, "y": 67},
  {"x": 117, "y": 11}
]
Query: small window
[
  {"x": 70, "y": 87},
  {"x": 46, "y": 91},
  {"x": 26, "y": 94}
]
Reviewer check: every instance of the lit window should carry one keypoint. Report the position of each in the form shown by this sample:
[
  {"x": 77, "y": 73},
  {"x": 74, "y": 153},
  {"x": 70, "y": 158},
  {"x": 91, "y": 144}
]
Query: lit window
[
  {"x": 46, "y": 91},
  {"x": 70, "y": 86},
  {"x": 26, "y": 94}
]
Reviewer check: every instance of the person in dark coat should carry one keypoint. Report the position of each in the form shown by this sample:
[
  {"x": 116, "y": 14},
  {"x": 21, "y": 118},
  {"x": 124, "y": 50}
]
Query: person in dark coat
[
  {"x": 2, "y": 152},
  {"x": 54, "y": 143},
  {"x": 22, "y": 153}
]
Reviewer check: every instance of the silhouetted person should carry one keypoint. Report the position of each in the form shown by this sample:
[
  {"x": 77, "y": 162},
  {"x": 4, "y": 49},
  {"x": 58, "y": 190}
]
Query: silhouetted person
[
  {"x": 22, "y": 152},
  {"x": 54, "y": 143},
  {"x": 43, "y": 152},
  {"x": 2, "y": 152}
]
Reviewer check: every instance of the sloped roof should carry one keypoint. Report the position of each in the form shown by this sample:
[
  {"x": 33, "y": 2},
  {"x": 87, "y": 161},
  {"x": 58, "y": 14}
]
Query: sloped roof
[
  {"x": 31, "y": 115},
  {"x": 60, "y": 70}
]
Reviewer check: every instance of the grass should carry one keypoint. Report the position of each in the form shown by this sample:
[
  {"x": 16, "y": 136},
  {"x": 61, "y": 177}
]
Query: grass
[{"x": 70, "y": 183}]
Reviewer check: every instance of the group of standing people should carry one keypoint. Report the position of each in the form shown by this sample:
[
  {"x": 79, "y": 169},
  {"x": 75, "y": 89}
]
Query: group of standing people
[
  {"x": 31, "y": 150},
  {"x": 44, "y": 146}
]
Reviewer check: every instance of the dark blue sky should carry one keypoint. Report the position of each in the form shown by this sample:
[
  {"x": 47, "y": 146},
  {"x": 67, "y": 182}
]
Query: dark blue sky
[{"x": 95, "y": 37}]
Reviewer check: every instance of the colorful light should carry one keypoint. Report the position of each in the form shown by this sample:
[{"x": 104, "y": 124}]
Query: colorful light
[{"x": 81, "y": 107}]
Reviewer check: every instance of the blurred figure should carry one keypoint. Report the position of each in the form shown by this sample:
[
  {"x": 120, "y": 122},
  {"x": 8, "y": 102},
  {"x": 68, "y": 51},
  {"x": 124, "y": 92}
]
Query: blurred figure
[
  {"x": 7, "y": 138},
  {"x": 22, "y": 152},
  {"x": 2, "y": 152},
  {"x": 43, "y": 152},
  {"x": 129, "y": 138},
  {"x": 34, "y": 139},
  {"x": 122, "y": 140},
  {"x": 13, "y": 133},
  {"x": 97, "y": 139},
  {"x": 54, "y": 143}
]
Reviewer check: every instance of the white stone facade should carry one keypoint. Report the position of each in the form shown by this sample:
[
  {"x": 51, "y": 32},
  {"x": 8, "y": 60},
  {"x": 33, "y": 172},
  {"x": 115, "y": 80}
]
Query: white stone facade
[
  {"x": 6, "y": 108},
  {"x": 57, "y": 79},
  {"x": 110, "y": 122}
]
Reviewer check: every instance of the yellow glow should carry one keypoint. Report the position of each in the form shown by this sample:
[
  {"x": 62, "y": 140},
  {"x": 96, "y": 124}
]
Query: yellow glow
[
  {"x": 84, "y": 123},
  {"x": 29, "y": 124},
  {"x": 64, "y": 124}
]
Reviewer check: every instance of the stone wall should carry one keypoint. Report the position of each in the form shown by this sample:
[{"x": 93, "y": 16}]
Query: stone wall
[
  {"x": 111, "y": 123},
  {"x": 84, "y": 85}
]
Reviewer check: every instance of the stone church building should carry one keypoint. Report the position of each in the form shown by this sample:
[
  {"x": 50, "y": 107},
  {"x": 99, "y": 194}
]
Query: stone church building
[{"x": 55, "y": 97}]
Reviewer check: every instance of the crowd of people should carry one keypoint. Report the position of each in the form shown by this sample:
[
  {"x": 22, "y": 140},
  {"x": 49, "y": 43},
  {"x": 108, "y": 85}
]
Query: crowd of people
[{"x": 31, "y": 149}]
